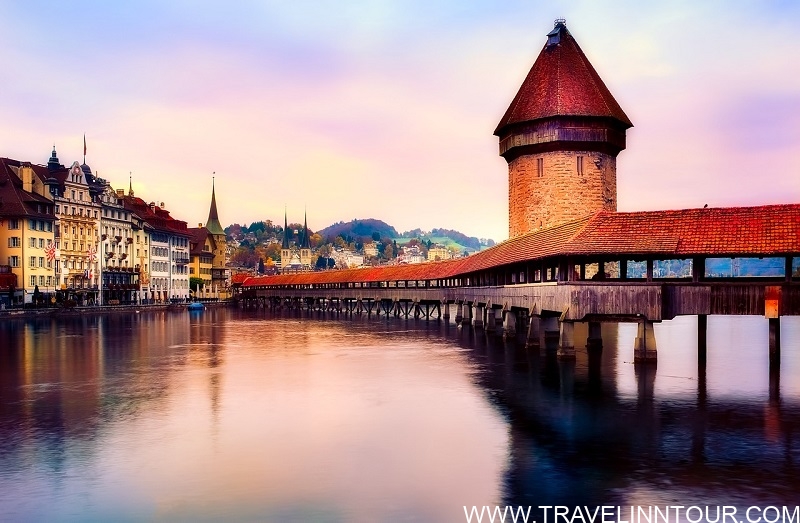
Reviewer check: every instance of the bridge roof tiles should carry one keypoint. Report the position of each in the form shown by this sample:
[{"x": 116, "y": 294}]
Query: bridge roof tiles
[
  {"x": 725, "y": 231},
  {"x": 728, "y": 231}
]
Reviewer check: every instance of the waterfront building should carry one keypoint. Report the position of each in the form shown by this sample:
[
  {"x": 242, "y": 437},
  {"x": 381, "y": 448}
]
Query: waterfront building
[
  {"x": 201, "y": 248},
  {"x": 120, "y": 270},
  {"x": 561, "y": 136},
  {"x": 77, "y": 235},
  {"x": 27, "y": 225},
  {"x": 168, "y": 277}
]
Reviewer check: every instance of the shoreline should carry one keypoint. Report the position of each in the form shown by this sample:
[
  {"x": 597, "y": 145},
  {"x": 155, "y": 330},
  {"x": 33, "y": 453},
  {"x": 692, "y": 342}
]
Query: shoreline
[{"x": 103, "y": 309}]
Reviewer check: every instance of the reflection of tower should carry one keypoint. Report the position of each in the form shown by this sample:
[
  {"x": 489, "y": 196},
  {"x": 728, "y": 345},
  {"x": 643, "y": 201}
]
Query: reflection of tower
[{"x": 561, "y": 136}]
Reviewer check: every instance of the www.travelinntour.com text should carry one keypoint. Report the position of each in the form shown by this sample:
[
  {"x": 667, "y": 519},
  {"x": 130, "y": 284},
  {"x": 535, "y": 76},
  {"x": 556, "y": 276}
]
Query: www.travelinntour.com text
[{"x": 632, "y": 514}]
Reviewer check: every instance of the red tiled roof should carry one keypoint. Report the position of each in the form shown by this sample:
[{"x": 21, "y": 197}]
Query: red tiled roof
[
  {"x": 768, "y": 229},
  {"x": 723, "y": 232},
  {"x": 562, "y": 82},
  {"x": 14, "y": 200}
]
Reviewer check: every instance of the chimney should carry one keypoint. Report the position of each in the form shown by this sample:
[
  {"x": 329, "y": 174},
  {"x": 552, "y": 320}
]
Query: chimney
[
  {"x": 162, "y": 205},
  {"x": 199, "y": 225},
  {"x": 27, "y": 177},
  {"x": 120, "y": 193}
]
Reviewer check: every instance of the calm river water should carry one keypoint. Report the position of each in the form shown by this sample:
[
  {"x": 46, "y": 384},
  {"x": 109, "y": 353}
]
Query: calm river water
[{"x": 256, "y": 416}]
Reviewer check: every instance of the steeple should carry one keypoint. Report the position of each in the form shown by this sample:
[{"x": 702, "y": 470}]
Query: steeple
[
  {"x": 212, "y": 224},
  {"x": 305, "y": 242},
  {"x": 130, "y": 187},
  {"x": 285, "y": 244}
]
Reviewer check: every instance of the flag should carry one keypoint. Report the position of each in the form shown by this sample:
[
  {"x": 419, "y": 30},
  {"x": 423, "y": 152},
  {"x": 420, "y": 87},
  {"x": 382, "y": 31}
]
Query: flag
[
  {"x": 50, "y": 251},
  {"x": 91, "y": 254}
]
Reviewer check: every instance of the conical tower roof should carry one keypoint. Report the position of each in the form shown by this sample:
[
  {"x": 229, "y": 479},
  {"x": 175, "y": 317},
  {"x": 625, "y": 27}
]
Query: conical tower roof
[
  {"x": 562, "y": 82},
  {"x": 305, "y": 243},
  {"x": 212, "y": 224},
  {"x": 285, "y": 244}
]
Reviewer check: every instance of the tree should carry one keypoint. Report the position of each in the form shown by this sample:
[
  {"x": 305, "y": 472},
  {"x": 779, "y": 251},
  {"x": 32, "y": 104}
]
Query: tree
[
  {"x": 388, "y": 252},
  {"x": 261, "y": 269},
  {"x": 376, "y": 236},
  {"x": 195, "y": 283}
]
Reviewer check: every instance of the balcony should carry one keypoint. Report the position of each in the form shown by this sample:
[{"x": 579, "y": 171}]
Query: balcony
[{"x": 181, "y": 260}]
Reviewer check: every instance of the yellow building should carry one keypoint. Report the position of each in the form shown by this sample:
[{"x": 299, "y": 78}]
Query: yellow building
[
  {"x": 77, "y": 237},
  {"x": 439, "y": 253},
  {"x": 26, "y": 231},
  {"x": 201, "y": 249}
]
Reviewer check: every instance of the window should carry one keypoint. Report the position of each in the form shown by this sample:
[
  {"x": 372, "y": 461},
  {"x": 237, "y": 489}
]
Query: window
[
  {"x": 41, "y": 280},
  {"x": 32, "y": 225},
  {"x": 49, "y": 281},
  {"x": 73, "y": 197},
  {"x": 33, "y": 261},
  {"x": 33, "y": 281},
  {"x": 580, "y": 165},
  {"x": 13, "y": 261},
  {"x": 49, "y": 226},
  {"x": 41, "y": 243},
  {"x": 32, "y": 242},
  {"x": 13, "y": 224},
  {"x": 540, "y": 167},
  {"x": 58, "y": 209},
  {"x": 41, "y": 261},
  {"x": 15, "y": 241}
]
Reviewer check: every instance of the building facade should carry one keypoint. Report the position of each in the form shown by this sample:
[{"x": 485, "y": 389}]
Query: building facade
[
  {"x": 77, "y": 234},
  {"x": 27, "y": 228}
]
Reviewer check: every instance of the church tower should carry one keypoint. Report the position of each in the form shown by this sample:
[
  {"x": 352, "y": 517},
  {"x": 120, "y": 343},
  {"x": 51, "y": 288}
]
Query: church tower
[
  {"x": 561, "y": 136},
  {"x": 305, "y": 244},
  {"x": 216, "y": 231},
  {"x": 286, "y": 248}
]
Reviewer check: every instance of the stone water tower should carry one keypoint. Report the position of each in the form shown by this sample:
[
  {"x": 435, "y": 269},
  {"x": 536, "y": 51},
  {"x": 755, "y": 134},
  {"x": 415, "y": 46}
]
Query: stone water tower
[{"x": 561, "y": 136}]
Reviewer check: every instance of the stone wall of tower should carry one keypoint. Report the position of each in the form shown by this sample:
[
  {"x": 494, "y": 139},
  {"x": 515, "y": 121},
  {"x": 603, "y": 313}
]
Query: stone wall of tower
[{"x": 561, "y": 194}]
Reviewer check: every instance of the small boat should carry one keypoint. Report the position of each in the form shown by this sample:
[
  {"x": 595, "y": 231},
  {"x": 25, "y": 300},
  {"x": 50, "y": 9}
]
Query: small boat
[{"x": 196, "y": 306}]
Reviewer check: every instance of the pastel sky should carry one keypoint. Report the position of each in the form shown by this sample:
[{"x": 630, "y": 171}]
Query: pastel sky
[{"x": 385, "y": 109}]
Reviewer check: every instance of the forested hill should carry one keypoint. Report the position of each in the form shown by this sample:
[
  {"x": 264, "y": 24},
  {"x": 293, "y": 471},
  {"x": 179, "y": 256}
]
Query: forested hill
[{"x": 359, "y": 229}]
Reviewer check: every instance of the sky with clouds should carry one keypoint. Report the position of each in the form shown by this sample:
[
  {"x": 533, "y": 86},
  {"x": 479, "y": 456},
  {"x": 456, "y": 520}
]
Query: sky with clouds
[{"x": 385, "y": 109}]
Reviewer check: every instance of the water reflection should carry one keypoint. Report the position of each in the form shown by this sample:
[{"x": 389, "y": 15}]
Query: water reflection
[{"x": 249, "y": 415}]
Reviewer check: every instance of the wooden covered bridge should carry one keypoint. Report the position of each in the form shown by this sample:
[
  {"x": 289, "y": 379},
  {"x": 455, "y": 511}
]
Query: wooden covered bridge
[{"x": 644, "y": 267}]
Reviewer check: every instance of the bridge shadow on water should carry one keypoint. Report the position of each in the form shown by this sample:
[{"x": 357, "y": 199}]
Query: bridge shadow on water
[{"x": 577, "y": 436}]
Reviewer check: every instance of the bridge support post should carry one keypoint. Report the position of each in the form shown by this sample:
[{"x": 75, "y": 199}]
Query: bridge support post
[
  {"x": 459, "y": 313},
  {"x": 775, "y": 341},
  {"x": 533, "y": 340},
  {"x": 509, "y": 325},
  {"x": 477, "y": 321},
  {"x": 566, "y": 343},
  {"x": 594, "y": 342},
  {"x": 467, "y": 320},
  {"x": 550, "y": 333},
  {"x": 491, "y": 324},
  {"x": 644, "y": 347},
  {"x": 445, "y": 311},
  {"x": 702, "y": 339}
]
